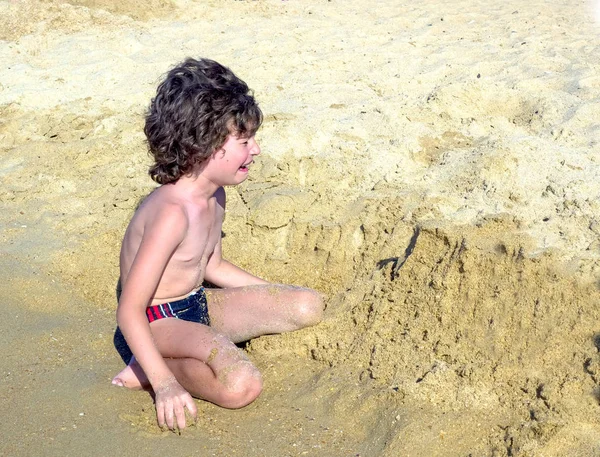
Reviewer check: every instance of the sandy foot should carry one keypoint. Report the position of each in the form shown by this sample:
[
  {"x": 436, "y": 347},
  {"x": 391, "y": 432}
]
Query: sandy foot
[{"x": 132, "y": 377}]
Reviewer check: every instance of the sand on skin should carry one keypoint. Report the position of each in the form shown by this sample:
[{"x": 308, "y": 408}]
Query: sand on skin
[{"x": 431, "y": 167}]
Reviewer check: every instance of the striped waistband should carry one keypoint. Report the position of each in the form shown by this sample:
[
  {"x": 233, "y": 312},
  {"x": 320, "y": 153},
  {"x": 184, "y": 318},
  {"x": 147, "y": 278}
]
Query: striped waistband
[
  {"x": 170, "y": 309},
  {"x": 159, "y": 312}
]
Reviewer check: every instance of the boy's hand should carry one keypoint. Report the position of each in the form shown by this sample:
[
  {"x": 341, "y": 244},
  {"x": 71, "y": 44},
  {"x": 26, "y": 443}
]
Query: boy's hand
[{"x": 171, "y": 401}]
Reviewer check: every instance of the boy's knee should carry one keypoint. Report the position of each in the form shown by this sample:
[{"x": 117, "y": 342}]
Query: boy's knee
[
  {"x": 242, "y": 385},
  {"x": 309, "y": 308}
]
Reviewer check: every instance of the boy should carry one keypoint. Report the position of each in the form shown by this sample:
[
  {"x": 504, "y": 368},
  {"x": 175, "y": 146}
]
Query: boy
[{"x": 180, "y": 338}]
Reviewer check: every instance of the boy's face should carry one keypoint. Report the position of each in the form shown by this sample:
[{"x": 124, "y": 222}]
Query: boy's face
[{"x": 229, "y": 165}]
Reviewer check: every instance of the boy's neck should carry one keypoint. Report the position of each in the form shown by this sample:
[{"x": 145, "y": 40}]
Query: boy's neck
[{"x": 197, "y": 187}]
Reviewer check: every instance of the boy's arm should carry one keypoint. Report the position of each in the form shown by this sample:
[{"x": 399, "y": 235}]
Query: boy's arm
[
  {"x": 224, "y": 274},
  {"x": 161, "y": 237},
  {"x": 219, "y": 271}
]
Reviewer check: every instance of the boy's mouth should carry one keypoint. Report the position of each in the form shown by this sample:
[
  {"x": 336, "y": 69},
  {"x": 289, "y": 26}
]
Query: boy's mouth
[{"x": 244, "y": 167}]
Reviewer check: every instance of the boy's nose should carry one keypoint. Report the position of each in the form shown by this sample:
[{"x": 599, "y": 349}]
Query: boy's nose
[{"x": 255, "y": 150}]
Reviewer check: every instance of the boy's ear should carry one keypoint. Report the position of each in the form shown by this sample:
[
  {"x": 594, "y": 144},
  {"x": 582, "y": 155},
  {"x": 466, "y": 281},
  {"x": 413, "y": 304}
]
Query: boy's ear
[{"x": 220, "y": 151}]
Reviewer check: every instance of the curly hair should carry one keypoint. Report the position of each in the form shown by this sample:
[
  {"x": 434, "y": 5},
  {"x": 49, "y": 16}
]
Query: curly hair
[{"x": 199, "y": 103}]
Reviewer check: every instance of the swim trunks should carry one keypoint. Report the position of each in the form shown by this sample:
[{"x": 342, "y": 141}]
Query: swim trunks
[{"x": 192, "y": 308}]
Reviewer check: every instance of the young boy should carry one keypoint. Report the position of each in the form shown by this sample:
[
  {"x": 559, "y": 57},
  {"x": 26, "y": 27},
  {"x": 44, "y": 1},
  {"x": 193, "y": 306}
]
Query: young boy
[{"x": 180, "y": 338}]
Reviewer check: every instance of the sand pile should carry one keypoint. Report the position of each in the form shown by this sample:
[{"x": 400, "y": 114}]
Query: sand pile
[{"x": 431, "y": 168}]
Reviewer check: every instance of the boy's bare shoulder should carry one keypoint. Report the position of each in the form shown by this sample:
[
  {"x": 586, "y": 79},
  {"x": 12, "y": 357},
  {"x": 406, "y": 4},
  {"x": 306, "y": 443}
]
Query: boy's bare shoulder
[
  {"x": 163, "y": 209},
  {"x": 161, "y": 200}
]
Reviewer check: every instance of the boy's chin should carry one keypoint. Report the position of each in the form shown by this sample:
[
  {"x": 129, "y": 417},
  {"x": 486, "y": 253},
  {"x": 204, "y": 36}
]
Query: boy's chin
[
  {"x": 236, "y": 181},
  {"x": 241, "y": 177}
]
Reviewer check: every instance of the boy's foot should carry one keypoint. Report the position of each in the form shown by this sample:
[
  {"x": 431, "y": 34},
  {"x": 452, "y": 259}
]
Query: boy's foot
[{"x": 132, "y": 377}]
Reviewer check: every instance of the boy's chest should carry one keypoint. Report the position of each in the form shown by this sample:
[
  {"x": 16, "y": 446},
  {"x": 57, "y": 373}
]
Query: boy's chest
[{"x": 201, "y": 239}]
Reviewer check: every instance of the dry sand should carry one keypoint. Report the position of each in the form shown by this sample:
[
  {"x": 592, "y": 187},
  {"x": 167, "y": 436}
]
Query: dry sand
[{"x": 433, "y": 167}]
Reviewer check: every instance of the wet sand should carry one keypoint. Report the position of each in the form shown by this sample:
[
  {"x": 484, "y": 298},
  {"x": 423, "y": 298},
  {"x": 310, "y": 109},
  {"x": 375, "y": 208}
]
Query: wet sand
[{"x": 433, "y": 168}]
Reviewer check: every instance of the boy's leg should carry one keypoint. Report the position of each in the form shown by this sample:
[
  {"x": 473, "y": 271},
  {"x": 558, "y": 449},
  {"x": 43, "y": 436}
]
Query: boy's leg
[
  {"x": 206, "y": 363},
  {"x": 243, "y": 313}
]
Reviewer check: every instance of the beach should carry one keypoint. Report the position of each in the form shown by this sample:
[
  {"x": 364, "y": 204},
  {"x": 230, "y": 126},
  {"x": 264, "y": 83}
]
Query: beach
[{"x": 432, "y": 168}]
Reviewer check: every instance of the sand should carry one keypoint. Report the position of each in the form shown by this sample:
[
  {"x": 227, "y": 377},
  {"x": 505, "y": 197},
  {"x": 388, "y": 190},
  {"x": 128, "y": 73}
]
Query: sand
[{"x": 432, "y": 167}]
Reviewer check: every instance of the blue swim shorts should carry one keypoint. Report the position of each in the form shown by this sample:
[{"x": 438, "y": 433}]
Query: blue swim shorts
[{"x": 192, "y": 308}]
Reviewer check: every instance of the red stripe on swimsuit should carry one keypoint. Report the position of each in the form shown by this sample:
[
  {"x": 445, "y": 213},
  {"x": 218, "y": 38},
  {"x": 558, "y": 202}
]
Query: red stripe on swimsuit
[{"x": 158, "y": 312}]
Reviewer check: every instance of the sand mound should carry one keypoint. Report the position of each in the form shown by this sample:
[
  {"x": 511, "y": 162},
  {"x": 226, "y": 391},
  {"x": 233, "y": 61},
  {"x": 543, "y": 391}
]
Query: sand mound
[{"x": 459, "y": 319}]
